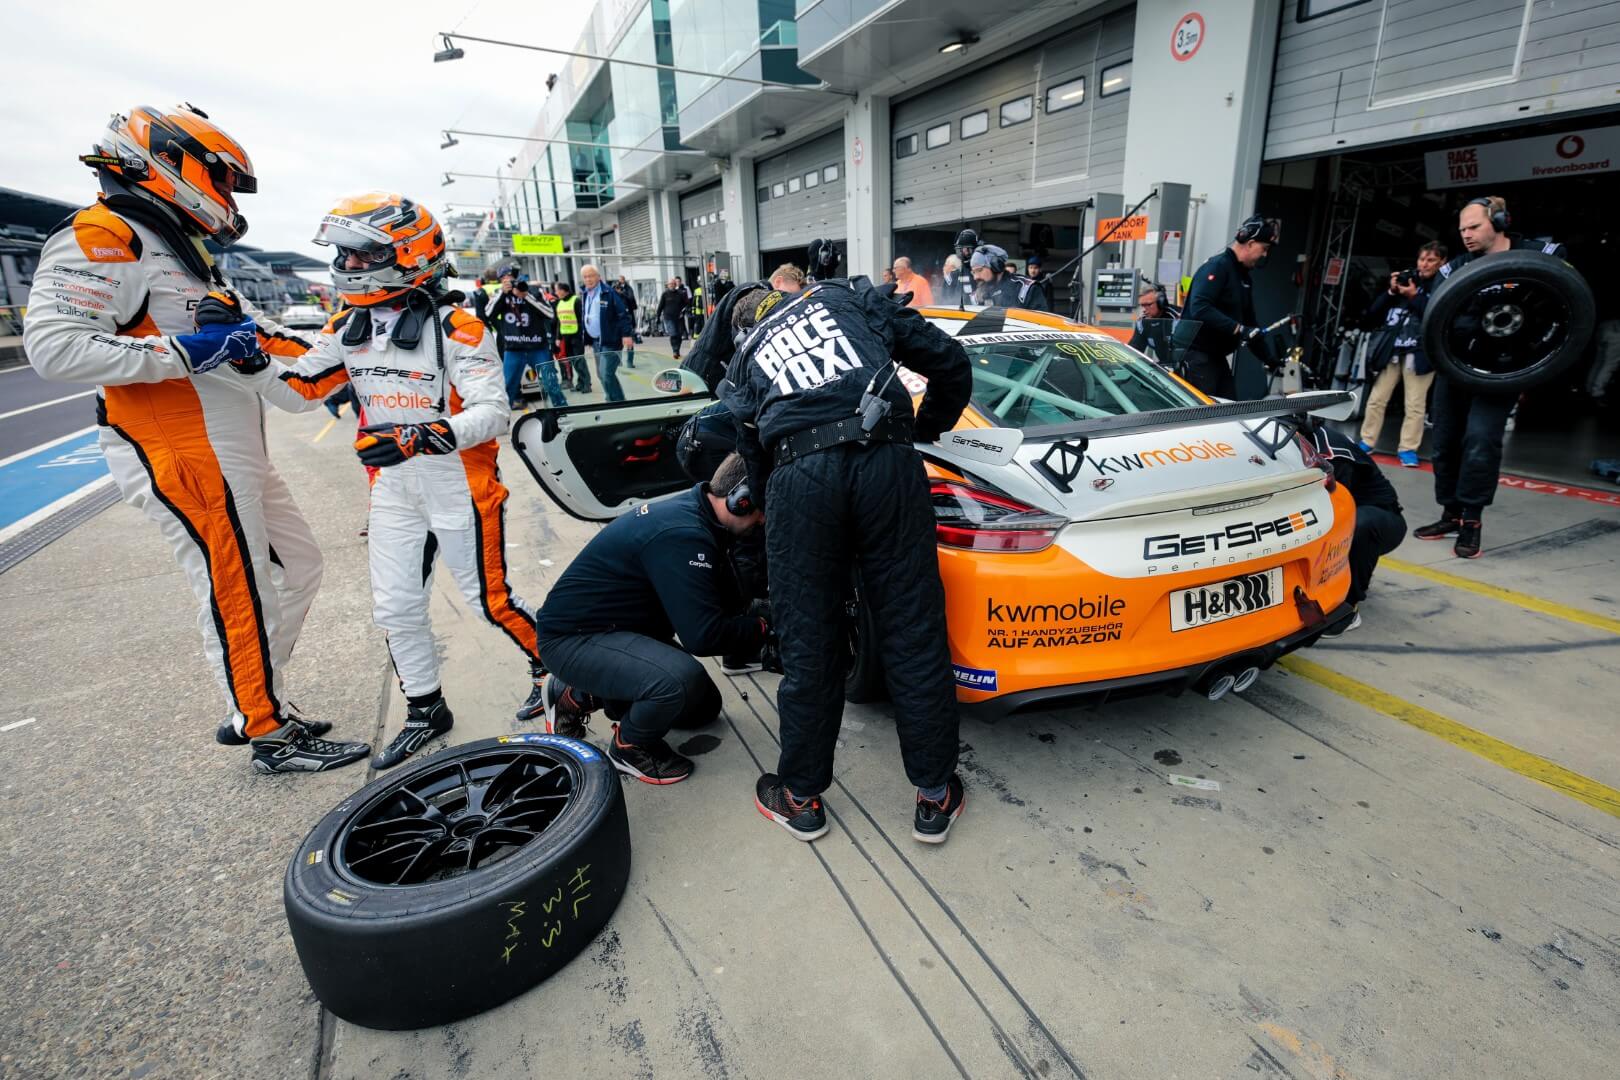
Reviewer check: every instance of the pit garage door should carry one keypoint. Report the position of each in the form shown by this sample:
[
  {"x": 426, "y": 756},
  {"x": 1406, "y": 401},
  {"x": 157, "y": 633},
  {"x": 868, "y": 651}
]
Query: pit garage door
[
  {"x": 799, "y": 195},
  {"x": 702, "y": 228}
]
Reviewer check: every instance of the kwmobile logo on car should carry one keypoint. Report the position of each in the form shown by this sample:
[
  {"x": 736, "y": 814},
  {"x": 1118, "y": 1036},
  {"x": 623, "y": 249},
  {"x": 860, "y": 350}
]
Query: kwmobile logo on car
[
  {"x": 1181, "y": 454},
  {"x": 1083, "y": 621}
]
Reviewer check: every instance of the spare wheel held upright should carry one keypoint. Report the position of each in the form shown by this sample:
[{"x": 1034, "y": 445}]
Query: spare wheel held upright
[{"x": 459, "y": 881}]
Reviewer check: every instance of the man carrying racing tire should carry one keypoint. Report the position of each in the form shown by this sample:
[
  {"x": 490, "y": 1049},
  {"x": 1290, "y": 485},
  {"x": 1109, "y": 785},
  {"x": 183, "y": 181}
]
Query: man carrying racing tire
[
  {"x": 427, "y": 376},
  {"x": 127, "y": 296},
  {"x": 608, "y": 627},
  {"x": 816, "y": 391},
  {"x": 1469, "y": 426}
]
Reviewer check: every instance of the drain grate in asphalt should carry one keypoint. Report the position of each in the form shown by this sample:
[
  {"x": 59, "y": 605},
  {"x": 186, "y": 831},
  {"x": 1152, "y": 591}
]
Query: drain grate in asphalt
[{"x": 56, "y": 526}]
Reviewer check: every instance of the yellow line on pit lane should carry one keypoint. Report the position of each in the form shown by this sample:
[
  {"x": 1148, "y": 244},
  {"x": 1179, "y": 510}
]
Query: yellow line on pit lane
[
  {"x": 330, "y": 424},
  {"x": 1489, "y": 747},
  {"x": 1507, "y": 596}
]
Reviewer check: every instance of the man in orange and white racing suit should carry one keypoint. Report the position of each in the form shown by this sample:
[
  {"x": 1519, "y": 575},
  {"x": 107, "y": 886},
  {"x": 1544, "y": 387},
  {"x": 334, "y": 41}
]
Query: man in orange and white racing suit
[
  {"x": 431, "y": 387},
  {"x": 127, "y": 296}
]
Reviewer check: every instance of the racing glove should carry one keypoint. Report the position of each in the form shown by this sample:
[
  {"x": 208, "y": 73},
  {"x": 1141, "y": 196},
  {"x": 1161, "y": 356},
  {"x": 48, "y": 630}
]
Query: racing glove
[
  {"x": 224, "y": 335},
  {"x": 382, "y": 445}
]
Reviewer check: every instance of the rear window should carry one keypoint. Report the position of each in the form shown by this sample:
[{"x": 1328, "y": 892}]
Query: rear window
[{"x": 1030, "y": 380}]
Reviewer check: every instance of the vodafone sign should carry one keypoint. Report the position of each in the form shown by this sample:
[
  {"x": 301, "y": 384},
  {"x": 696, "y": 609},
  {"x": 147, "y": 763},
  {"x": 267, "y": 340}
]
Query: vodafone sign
[{"x": 1544, "y": 157}]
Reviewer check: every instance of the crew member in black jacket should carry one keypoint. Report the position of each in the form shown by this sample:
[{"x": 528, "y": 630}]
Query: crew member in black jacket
[
  {"x": 1222, "y": 299},
  {"x": 1380, "y": 528},
  {"x": 528, "y": 328},
  {"x": 608, "y": 627},
  {"x": 822, "y": 410}
]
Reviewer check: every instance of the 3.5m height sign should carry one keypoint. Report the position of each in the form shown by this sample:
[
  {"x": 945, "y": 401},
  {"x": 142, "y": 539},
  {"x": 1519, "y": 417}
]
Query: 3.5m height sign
[{"x": 1543, "y": 157}]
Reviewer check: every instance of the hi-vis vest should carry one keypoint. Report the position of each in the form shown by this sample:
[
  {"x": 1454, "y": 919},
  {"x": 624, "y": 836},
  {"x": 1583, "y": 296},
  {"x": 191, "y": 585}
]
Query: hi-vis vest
[{"x": 568, "y": 315}]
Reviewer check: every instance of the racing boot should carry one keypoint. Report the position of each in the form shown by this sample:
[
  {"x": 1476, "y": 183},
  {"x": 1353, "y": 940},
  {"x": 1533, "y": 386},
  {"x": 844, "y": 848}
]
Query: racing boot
[
  {"x": 422, "y": 723},
  {"x": 534, "y": 706},
  {"x": 933, "y": 820},
  {"x": 227, "y": 735},
  {"x": 568, "y": 711},
  {"x": 1450, "y": 523},
  {"x": 292, "y": 748},
  {"x": 651, "y": 763}
]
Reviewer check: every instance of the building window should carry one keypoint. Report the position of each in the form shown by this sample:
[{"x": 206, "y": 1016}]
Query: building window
[
  {"x": 975, "y": 123},
  {"x": 1017, "y": 110},
  {"x": 793, "y": 185},
  {"x": 762, "y": 195},
  {"x": 1315, "y": 9},
  {"x": 1116, "y": 79},
  {"x": 1066, "y": 95},
  {"x": 812, "y": 179},
  {"x": 829, "y": 175},
  {"x": 778, "y": 190},
  {"x": 937, "y": 136},
  {"x": 905, "y": 145}
]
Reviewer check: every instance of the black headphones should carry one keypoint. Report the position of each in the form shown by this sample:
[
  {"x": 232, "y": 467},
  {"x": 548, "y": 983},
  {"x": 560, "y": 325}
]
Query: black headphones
[
  {"x": 994, "y": 257},
  {"x": 1258, "y": 228},
  {"x": 1500, "y": 219},
  {"x": 740, "y": 500}
]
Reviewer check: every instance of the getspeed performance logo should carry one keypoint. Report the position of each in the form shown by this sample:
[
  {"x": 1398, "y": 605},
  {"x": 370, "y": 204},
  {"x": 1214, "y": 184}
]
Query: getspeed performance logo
[{"x": 1233, "y": 538}]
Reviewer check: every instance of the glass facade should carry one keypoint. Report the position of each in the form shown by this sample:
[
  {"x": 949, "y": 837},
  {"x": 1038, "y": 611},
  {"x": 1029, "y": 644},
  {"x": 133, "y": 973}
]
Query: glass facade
[
  {"x": 719, "y": 35},
  {"x": 644, "y": 99}
]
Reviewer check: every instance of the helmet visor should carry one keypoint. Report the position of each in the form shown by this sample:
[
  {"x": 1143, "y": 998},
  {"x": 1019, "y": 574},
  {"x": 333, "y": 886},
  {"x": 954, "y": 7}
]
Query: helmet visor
[{"x": 351, "y": 235}]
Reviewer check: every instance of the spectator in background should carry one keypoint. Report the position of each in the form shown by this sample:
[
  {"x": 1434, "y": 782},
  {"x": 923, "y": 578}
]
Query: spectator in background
[
  {"x": 888, "y": 276},
  {"x": 672, "y": 313},
  {"x": 787, "y": 278},
  {"x": 627, "y": 293},
  {"x": 1032, "y": 268},
  {"x": 915, "y": 284},
  {"x": 607, "y": 326},
  {"x": 529, "y": 329},
  {"x": 1399, "y": 310},
  {"x": 570, "y": 341}
]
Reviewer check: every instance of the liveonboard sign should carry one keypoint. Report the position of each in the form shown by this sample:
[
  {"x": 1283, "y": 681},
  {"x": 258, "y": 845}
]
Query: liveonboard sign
[{"x": 1542, "y": 157}]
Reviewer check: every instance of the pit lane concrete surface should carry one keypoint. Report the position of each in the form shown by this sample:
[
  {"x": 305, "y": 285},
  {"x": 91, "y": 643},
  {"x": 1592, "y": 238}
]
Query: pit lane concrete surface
[{"x": 1376, "y": 888}]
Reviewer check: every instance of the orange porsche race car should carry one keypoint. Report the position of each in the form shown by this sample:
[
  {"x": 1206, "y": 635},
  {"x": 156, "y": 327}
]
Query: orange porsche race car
[{"x": 1103, "y": 528}]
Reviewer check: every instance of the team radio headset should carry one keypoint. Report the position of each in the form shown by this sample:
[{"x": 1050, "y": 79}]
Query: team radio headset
[{"x": 1501, "y": 220}]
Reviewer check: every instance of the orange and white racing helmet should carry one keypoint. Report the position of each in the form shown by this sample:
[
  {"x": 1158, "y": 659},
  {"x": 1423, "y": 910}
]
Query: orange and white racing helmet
[
  {"x": 397, "y": 242},
  {"x": 181, "y": 159}
]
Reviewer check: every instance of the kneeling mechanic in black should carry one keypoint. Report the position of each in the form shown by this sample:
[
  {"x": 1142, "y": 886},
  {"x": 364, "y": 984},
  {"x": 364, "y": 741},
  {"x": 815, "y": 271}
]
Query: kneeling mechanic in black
[
  {"x": 815, "y": 385},
  {"x": 607, "y": 630}
]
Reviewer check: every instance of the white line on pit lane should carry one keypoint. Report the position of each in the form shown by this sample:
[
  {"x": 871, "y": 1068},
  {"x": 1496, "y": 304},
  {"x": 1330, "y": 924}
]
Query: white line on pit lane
[
  {"x": 18, "y": 723},
  {"x": 47, "y": 444},
  {"x": 44, "y": 404}
]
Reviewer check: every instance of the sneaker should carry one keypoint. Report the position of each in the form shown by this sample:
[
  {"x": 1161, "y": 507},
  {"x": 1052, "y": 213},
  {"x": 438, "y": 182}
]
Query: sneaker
[
  {"x": 740, "y": 664},
  {"x": 227, "y": 735},
  {"x": 1468, "y": 541},
  {"x": 1409, "y": 458},
  {"x": 1446, "y": 526},
  {"x": 534, "y": 706},
  {"x": 1340, "y": 629},
  {"x": 933, "y": 821},
  {"x": 1366, "y": 447},
  {"x": 421, "y": 726},
  {"x": 291, "y": 748},
  {"x": 651, "y": 763},
  {"x": 565, "y": 712},
  {"x": 806, "y": 819}
]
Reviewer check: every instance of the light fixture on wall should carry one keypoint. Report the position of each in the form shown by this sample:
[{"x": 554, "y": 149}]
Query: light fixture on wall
[
  {"x": 448, "y": 180},
  {"x": 958, "y": 43},
  {"x": 450, "y": 52},
  {"x": 449, "y": 141}
]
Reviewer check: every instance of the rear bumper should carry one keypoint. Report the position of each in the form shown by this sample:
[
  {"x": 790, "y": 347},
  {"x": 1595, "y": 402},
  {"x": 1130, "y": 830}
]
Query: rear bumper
[{"x": 1172, "y": 681}]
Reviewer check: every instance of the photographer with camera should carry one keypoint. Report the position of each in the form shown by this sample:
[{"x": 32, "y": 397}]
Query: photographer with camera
[
  {"x": 528, "y": 328},
  {"x": 1399, "y": 355},
  {"x": 1222, "y": 301},
  {"x": 1469, "y": 426}
]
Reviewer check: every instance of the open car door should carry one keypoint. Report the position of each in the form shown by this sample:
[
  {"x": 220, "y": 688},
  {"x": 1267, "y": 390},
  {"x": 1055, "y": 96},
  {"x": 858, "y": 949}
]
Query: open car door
[{"x": 597, "y": 461}]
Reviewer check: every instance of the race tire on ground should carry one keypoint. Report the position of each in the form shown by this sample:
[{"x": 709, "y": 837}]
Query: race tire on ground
[
  {"x": 864, "y": 684},
  {"x": 1509, "y": 322},
  {"x": 395, "y": 933}
]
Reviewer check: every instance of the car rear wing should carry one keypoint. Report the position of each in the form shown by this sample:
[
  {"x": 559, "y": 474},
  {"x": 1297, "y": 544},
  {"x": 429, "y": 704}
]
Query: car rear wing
[{"x": 1064, "y": 457}]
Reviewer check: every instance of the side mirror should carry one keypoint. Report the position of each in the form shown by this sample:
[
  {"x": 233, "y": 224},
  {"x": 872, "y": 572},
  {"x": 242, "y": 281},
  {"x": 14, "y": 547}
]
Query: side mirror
[{"x": 679, "y": 381}]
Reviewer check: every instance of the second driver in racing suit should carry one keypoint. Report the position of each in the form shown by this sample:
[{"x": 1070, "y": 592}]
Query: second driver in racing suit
[
  {"x": 126, "y": 296},
  {"x": 816, "y": 386},
  {"x": 433, "y": 393}
]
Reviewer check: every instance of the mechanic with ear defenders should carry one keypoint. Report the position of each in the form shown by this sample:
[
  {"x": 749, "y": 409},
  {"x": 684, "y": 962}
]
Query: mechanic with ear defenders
[
  {"x": 998, "y": 288},
  {"x": 1222, "y": 300},
  {"x": 823, "y": 410},
  {"x": 607, "y": 630}
]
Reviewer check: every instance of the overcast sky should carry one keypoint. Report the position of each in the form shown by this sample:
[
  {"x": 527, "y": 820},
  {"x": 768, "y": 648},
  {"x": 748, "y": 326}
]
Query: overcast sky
[{"x": 325, "y": 102}]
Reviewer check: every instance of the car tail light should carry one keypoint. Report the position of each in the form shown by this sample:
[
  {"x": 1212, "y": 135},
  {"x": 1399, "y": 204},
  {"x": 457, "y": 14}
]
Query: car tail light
[{"x": 979, "y": 520}]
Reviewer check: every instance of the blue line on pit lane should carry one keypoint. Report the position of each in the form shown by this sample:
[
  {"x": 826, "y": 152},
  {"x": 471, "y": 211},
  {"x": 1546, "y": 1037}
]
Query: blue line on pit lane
[{"x": 32, "y": 483}]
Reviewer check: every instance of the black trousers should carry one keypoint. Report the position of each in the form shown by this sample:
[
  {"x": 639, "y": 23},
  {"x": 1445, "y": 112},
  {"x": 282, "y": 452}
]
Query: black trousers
[
  {"x": 650, "y": 686},
  {"x": 865, "y": 508},
  {"x": 1468, "y": 433},
  {"x": 1211, "y": 374},
  {"x": 1378, "y": 532}
]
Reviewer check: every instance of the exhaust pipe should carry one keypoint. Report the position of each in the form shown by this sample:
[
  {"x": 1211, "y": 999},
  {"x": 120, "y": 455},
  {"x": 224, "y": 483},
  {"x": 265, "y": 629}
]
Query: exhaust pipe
[
  {"x": 1219, "y": 685},
  {"x": 1245, "y": 679}
]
